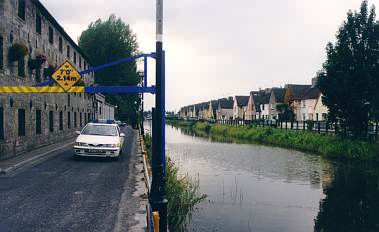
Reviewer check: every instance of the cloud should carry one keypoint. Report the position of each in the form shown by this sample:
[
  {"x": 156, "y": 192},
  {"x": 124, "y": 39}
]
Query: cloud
[{"x": 218, "y": 48}]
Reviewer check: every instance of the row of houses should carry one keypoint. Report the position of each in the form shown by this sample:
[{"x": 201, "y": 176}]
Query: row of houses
[{"x": 304, "y": 101}]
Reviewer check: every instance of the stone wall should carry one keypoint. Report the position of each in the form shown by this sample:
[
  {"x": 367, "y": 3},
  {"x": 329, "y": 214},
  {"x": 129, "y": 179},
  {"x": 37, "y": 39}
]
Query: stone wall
[{"x": 14, "y": 29}]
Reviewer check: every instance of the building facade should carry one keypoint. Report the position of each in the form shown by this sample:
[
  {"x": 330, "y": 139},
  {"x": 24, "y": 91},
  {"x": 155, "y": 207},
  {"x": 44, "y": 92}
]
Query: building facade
[
  {"x": 32, "y": 46},
  {"x": 103, "y": 110},
  {"x": 240, "y": 105},
  {"x": 225, "y": 109}
]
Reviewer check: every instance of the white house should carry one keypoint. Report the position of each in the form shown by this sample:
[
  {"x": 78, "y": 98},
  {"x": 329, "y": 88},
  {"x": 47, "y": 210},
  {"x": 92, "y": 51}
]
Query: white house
[
  {"x": 276, "y": 97},
  {"x": 294, "y": 96},
  {"x": 321, "y": 111},
  {"x": 240, "y": 106},
  {"x": 225, "y": 109},
  {"x": 250, "y": 109}
]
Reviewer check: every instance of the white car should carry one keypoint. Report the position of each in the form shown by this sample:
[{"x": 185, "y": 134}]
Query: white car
[{"x": 99, "y": 140}]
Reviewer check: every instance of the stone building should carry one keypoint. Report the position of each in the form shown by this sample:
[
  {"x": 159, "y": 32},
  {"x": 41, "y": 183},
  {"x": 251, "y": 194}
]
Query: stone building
[
  {"x": 32, "y": 45},
  {"x": 103, "y": 110}
]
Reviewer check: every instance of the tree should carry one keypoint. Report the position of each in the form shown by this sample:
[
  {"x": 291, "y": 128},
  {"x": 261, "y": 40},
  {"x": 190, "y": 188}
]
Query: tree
[
  {"x": 349, "y": 78},
  {"x": 107, "y": 41},
  {"x": 285, "y": 112}
]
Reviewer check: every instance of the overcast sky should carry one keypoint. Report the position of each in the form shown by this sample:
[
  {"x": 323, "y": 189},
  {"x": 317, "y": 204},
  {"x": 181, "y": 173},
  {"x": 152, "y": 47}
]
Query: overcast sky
[{"x": 218, "y": 48}]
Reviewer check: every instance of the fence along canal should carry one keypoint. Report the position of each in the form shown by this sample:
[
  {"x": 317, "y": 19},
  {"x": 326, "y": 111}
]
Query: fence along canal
[
  {"x": 259, "y": 188},
  {"x": 321, "y": 127}
]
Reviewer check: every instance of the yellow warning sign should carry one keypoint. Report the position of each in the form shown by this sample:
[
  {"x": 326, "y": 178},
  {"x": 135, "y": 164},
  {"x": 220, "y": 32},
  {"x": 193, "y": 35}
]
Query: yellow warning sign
[{"x": 66, "y": 76}]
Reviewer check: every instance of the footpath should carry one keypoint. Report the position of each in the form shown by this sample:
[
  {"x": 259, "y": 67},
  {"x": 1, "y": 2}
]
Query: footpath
[{"x": 33, "y": 157}]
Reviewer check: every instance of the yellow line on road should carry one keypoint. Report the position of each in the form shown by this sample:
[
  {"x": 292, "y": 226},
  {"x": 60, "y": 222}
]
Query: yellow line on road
[{"x": 45, "y": 89}]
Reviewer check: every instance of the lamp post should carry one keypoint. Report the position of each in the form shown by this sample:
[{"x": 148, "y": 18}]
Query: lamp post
[
  {"x": 142, "y": 118},
  {"x": 158, "y": 199}
]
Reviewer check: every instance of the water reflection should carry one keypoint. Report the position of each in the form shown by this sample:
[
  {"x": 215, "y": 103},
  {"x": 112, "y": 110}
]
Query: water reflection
[
  {"x": 260, "y": 188},
  {"x": 352, "y": 198}
]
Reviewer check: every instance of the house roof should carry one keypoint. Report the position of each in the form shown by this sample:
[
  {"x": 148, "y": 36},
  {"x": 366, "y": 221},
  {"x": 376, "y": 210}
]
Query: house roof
[
  {"x": 204, "y": 105},
  {"x": 242, "y": 100},
  {"x": 299, "y": 91},
  {"x": 261, "y": 97},
  {"x": 312, "y": 93},
  {"x": 214, "y": 103},
  {"x": 257, "y": 101},
  {"x": 279, "y": 94},
  {"x": 226, "y": 103}
]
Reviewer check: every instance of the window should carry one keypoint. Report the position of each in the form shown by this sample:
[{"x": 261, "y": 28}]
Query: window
[
  {"x": 68, "y": 52},
  {"x": 60, "y": 44},
  {"x": 1, "y": 123},
  {"x": 80, "y": 62},
  {"x": 51, "y": 121},
  {"x": 38, "y": 24},
  {"x": 38, "y": 122},
  {"x": 105, "y": 130},
  {"x": 1, "y": 53},
  {"x": 51, "y": 35},
  {"x": 60, "y": 120},
  {"x": 316, "y": 116},
  {"x": 75, "y": 120},
  {"x": 21, "y": 9},
  {"x": 68, "y": 120},
  {"x": 85, "y": 65},
  {"x": 68, "y": 99},
  {"x": 89, "y": 117},
  {"x": 21, "y": 122},
  {"x": 75, "y": 58},
  {"x": 21, "y": 67},
  {"x": 80, "y": 120}
]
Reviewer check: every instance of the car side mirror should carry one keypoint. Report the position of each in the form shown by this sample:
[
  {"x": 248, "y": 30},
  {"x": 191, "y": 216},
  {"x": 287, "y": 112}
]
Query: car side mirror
[
  {"x": 122, "y": 135},
  {"x": 77, "y": 132}
]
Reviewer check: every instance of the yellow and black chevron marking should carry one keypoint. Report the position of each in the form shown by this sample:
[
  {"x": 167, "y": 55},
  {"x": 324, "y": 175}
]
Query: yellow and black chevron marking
[{"x": 44, "y": 89}]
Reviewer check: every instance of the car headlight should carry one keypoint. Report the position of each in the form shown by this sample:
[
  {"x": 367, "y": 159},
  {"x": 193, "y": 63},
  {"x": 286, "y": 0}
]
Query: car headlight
[
  {"x": 112, "y": 145},
  {"x": 81, "y": 144}
]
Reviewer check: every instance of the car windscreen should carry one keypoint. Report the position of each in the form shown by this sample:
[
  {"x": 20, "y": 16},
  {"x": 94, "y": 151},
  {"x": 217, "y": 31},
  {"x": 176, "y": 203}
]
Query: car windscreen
[{"x": 103, "y": 130}]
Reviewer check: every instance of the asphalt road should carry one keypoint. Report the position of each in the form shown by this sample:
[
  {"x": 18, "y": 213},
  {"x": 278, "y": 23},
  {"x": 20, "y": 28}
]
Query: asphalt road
[{"x": 64, "y": 194}]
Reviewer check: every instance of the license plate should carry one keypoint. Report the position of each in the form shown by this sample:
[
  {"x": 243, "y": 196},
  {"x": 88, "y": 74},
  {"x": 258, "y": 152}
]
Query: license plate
[{"x": 94, "y": 151}]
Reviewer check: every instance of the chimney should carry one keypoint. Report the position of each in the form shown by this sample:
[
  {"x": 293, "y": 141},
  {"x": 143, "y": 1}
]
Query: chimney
[{"x": 314, "y": 81}]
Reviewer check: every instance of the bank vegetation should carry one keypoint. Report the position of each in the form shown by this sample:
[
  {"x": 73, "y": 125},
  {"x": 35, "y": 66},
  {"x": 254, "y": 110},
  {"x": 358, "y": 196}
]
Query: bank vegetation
[
  {"x": 329, "y": 146},
  {"x": 182, "y": 194}
]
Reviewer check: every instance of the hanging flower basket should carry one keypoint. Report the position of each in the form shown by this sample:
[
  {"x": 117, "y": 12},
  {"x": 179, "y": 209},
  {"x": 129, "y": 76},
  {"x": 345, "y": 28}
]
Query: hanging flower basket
[
  {"x": 37, "y": 62},
  {"x": 47, "y": 72},
  {"x": 17, "y": 51}
]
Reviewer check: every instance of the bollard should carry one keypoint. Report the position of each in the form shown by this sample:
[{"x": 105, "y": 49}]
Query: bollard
[{"x": 156, "y": 221}]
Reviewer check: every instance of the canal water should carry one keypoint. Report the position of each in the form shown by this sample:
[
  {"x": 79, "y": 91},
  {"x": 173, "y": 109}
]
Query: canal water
[{"x": 261, "y": 188}]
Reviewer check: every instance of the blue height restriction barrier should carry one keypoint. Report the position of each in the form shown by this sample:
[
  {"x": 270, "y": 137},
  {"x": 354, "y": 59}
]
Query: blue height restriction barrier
[{"x": 116, "y": 89}]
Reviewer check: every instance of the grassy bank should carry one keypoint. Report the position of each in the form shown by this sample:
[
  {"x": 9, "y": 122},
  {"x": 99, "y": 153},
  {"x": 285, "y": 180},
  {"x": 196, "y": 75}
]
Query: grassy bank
[
  {"x": 182, "y": 194},
  {"x": 324, "y": 145}
]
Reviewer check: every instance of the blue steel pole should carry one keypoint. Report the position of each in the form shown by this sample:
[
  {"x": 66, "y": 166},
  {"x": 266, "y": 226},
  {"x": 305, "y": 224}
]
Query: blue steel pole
[{"x": 158, "y": 199}]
